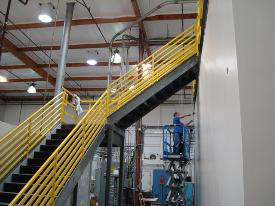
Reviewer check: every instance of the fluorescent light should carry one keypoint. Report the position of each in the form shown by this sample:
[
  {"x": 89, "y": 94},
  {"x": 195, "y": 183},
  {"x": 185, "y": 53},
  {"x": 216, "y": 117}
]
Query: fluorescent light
[
  {"x": 116, "y": 58},
  {"x": 3, "y": 79},
  {"x": 46, "y": 13},
  {"x": 31, "y": 89},
  {"x": 91, "y": 62}
]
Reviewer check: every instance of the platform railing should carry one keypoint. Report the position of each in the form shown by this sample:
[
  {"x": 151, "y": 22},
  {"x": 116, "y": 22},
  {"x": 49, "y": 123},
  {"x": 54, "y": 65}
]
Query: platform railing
[
  {"x": 19, "y": 142},
  {"x": 47, "y": 182}
]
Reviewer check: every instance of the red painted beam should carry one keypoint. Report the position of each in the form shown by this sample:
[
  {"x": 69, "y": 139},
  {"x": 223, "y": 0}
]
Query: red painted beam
[
  {"x": 85, "y": 89},
  {"x": 27, "y": 61},
  {"x": 77, "y": 22},
  {"x": 92, "y": 89},
  {"x": 141, "y": 25},
  {"x": 40, "y": 66},
  {"x": 91, "y": 78}
]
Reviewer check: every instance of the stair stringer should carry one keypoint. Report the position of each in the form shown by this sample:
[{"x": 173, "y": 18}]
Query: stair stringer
[
  {"x": 68, "y": 188},
  {"x": 180, "y": 72}
]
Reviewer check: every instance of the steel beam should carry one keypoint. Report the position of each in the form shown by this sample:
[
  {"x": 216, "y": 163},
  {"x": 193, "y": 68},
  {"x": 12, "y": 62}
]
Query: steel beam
[
  {"x": 77, "y": 22},
  {"x": 121, "y": 174},
  {"x": 41, "y": 66},
  {"x": 64, "y": 48},
  {"x": 172, "y": 76},
  {"x": 141, "y": 25},
  {"x": 109, "y": 164},
  {"x": 29, "y": 63}
]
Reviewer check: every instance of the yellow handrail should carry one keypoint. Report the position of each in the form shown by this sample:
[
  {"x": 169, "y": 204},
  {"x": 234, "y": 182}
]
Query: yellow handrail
[
  {"x": 17, "y": 144},
  {"x": 47, "y": 182}
]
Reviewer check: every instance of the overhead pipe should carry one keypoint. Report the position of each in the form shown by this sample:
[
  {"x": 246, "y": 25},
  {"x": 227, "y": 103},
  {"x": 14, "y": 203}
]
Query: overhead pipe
[
  {"x": 125, "y": 60},
  {"x": 64, "y": 48},
  {"x": 136, "y": 22}
]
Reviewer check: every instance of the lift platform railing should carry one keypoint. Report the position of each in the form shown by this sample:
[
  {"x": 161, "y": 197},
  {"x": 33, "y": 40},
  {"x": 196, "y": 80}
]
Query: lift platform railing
[
  {"x": 47, "y": 182},
  {"x": 18, "y": 143}
]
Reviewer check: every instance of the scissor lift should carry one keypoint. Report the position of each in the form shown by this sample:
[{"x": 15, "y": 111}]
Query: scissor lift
[{"x": 176, "y": 165}]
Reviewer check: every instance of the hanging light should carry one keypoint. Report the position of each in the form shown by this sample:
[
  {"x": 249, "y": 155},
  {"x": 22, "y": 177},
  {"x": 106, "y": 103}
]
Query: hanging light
[
  {"x": 3, "y": 79},
  {"x": 116, "y": 58},
  {"x": 92, "y": 59},
  {"x": 31, "y": 89},
  {"x": 91, "y": 62},
  {"x": 46, "y": 12}
]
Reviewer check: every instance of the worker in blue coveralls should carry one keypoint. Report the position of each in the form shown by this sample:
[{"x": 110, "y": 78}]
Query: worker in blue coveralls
[{"x": 178, "y": 132}]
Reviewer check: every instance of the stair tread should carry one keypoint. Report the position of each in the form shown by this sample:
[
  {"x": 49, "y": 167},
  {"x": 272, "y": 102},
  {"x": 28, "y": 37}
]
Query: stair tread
[{"x": 7, "y": 197}]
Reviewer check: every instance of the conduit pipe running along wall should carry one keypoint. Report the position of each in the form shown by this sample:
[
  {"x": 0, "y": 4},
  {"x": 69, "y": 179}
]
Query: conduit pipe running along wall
[{"x": 136, "y": 22}]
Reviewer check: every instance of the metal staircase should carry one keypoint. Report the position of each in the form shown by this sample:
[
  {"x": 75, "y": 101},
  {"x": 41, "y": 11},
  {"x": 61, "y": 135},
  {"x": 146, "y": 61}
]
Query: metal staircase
[
  {"x": 19, "y": 179},
  {"x": 126, "y": 100}
]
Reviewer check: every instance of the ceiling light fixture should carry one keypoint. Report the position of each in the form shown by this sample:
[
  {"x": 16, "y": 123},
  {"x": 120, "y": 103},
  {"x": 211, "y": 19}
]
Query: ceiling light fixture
[
  {"x": 46, "y": 12},
  {"x": 31, "y": 89},
  {"x": 3, "y": 79},
  {"x": 92, "y": 59},
  {"x": 116, "y": 58},
  {"x": 91, "y": 62}
]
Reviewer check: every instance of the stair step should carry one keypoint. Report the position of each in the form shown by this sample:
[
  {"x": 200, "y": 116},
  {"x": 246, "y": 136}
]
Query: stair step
[
  {"x": 3, "y": 204},
  {"x": 21, "y": 178},
  {"x": 63, "y": 131},
  {"x": 67, "y": 126},
  {"x": 42, "y": 155},
  {"x": 7, "y": 197},
  {"x": 35, "y": 162},
  {"x": 25, "y": 169},
  {"x": 13, "y": 187},
  {"x": 53, "y": 141},
  {"x": 58, "y": 136},
  {"x": 48, "y": 148}
]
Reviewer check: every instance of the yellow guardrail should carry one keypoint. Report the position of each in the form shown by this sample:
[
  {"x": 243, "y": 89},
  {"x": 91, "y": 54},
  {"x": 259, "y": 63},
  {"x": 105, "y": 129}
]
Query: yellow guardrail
[
  {"x": 47, "y": 182},
  {"x": 17, "y": 144}
]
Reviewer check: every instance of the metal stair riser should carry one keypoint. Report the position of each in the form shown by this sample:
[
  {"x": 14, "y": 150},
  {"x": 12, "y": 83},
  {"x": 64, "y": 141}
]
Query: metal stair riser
[{"x": 19, "y": 180}]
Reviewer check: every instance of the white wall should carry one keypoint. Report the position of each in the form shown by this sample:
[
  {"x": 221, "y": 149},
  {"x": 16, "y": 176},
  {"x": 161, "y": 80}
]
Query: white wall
[
  {"x": 255, "y": 38},
  {"x": 221, "y": 173},
  {"x": 13, "y": 114},
  {"x": 163, "y": 114},
  {"x": 2, "y": 108},
  {"x": 5, "y": 128}
]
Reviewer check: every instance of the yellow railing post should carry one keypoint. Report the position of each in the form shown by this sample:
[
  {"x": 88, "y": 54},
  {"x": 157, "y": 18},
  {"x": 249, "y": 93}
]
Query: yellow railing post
[
  {"x": 108, "y": 101},
  {"x": 83, "y": 139},
  {"x": 53, "y": 183},
  {"x": 63, "y": 104},
  {"x": 29, "y": 136}
]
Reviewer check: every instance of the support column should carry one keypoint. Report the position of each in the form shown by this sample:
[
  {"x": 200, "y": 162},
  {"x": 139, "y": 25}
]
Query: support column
[
  {"x": 64, "y": 48},
  {"x": 121, "y": 173},
  {"x": 109, "y": 164},
  {"x": 74, "y": 203}
]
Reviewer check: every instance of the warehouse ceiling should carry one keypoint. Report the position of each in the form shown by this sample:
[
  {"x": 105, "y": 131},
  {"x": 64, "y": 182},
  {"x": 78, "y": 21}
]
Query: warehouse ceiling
[{"x": 32, "y": 49}]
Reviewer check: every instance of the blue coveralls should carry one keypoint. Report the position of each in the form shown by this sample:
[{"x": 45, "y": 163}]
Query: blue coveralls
[{"x": 178, "y": 135}]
